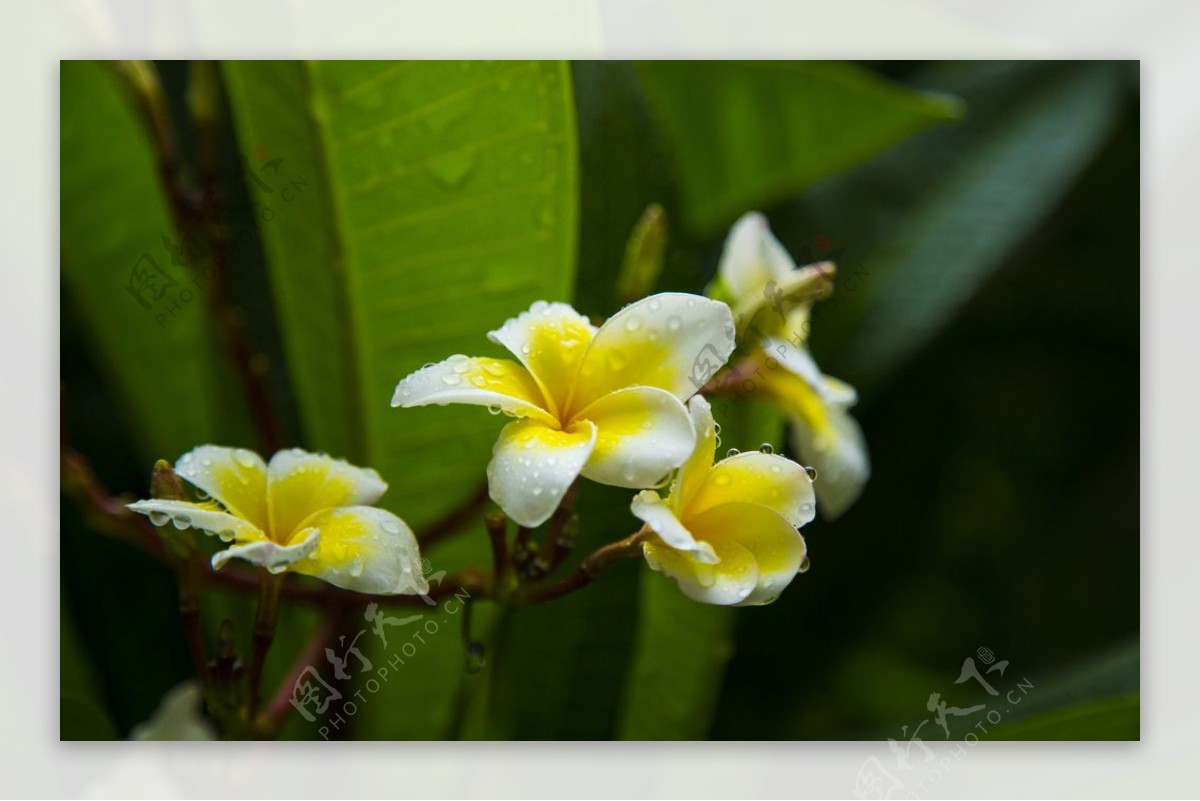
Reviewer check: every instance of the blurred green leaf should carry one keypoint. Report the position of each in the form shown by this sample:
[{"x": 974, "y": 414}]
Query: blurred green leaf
[
  {"x": 158, "y": 354},
  {"x": 1002, "y": 185},
  {"x": 746, "y": 135},
  {"x": 421, "y": 204},
  {"x": 679, "y": 661},
  {"x": 1110, "y": 719}
]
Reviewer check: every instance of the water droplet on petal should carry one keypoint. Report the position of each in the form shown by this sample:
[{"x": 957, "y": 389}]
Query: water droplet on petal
[
  {"x": 478, "y": 380},
  {"x": 633, "y": 323},
  {"x": 804, "y": 565},
  {"x": 451, "y": 379},
  {"x": 674, "y": 323},
  {"x": 159, "y": 518},
  {"x": 495, "y": 409},
  {"x": 732, "y": 452},
  {"x": 812, "y": 473},
  {"x": 721, "y": 480},
  {"x": 655, "y": 305},
  {"x": 766, "y": 447}
]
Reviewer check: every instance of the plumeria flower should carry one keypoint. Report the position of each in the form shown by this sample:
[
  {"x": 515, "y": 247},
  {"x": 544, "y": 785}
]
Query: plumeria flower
[
  {"x": 307, "y": 513},
  {"x": 774, "y": 298},
  {"x": 606, "y": 403},
  {"x": 727, "y": 532}
]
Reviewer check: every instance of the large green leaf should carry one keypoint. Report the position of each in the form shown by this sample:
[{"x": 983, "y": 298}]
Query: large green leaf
[
  {"x": 1001, "y": 186},
  {"x": 1109, "y": 719},
  {"x": 155, "y": 346},
  {"x": 745, "y": 135},
  {"x": 429, "y": 202}
]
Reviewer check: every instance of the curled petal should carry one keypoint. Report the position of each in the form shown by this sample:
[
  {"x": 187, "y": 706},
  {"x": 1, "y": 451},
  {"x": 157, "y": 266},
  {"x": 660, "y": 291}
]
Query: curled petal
[
  {"x": 782, "y": 302},
  {"x": 533, "y": 465},
  {"x": 765, "y": 479},
  {"x": 641, "y": 434},
  {"x": 776, "y": 548},
  {"x": 364, "y": 549},
  {"x": 648, "y": 507},
  {"x": 550, "y": 340},
  {"x": 672, "y": 341},
  {"x": 300, "y": 483},
  {"x": 692, "y": 473},
  {"x": 800, "y": 362},
  {"x": 752, "y": 257},
  {"x": 496, "y": 383},
  {"x": 271, "y": 555},
  {"x": 728, "y": 582},
  {"x": 203, "y": 516},
  {"x": 235, "y": 477},
  {"x": 834, "y": 445}
]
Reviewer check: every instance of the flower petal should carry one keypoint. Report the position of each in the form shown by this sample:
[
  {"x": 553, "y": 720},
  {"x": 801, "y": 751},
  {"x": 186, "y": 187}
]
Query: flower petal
[
  {"x": 550, "y": 340},
  {"x": 205, "y": 517},
  {"x": 672, "y": 341},
  {"x": 752, "y": 257},
  {"x": 693, "y": 472},
  {"x": 836, "y": 448},
  {"x": 730, "y": 581},
  {"x": 641, "y": 435},
  {"x": 533, "y": 465},
  {"x": 497, "y": 383},
  {"x": 648, "y": 507},
  {"x": 301, "y": 483},
  {"x": 235, "y": 477},
  {"x": 800, "y": 362},
  {"x": 776, "y": 548},
  {"x": 364, "y": 549},
  {"x": 271, "y": 555},
  {"x": 824, "y": 436},
  {"x": 765, "y": 479}
]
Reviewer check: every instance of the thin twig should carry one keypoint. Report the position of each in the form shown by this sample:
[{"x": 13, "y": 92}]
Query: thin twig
[
  {"x": 455, "y": 519},
  {"x": 280, "y": 706},
  {"x": 596, "y": 563}
]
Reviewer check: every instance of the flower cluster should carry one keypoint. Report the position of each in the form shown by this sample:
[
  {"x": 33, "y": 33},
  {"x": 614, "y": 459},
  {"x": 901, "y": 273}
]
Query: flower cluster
[{"x": 616, "y": 404}]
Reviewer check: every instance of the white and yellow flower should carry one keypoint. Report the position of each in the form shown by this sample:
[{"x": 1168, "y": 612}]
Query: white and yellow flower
[
  {"x": 606, "y": 403},
  {"x": 306, "y": 513},
  {"x": 727, "y": 532},
  {"x": 775, "y": 297}
]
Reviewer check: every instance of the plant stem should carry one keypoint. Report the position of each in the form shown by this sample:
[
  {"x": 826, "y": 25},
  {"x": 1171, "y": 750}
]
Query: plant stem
[
  {"x": 596, "y": 563},
  {"x": 265, "y": 618},
  {"x": 280, "y": 706}
]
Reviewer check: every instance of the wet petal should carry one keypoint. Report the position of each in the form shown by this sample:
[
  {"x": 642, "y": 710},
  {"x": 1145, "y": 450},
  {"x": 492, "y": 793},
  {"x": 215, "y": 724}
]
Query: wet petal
[
  {"x": 533, "y": 465},
  {"x": 550, "y": 340},
  {"x": 207, "y": 517},
  {"x": 272, "y": 556},
  {"x": 235, "y": 477},
  {"x": 766, "y": 479},
  {"x": 648, "y": 507},
  {"x": 301, "y": 483},
  {"x": 672, "y": 341},
  {"x": 496, "y": 383},
  {"x": 730, "y": 581},
  {"x": 641, "y": 435},
  {"x": 775, "y": 547},
  {"x": 799, "y": 361},
  {"x": 364, "y": 549}
]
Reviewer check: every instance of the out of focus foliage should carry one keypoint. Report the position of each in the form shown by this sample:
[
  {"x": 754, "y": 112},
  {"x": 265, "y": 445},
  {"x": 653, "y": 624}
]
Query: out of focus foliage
[{"x": 985, "y": 221}]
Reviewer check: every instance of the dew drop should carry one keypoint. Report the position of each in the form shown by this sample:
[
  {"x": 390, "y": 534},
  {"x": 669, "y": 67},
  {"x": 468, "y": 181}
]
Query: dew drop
[
  {"x": 674, "y": 323},
  {"x": 525, "y": 348},
  {"x": 732, "y": 452},
  {"x": 812, "y": 473},
  {"x": 633, "y": 323},
  {"x": 451, "y": 379},
  {"x": 494, "y": 409},
  {"x": 356, "y": 567},
  {"x": 806, "y": 507},
  {"x": 767, "y": 447},
  {"x": 655, "y": 305},
  {"x": 478, "y": 380},
  {"x": 804, "y": 565},
  {"x": 721, "y": 480},
  {"x": 391, "y": 526},
  {"x": 159, "y": 518}
]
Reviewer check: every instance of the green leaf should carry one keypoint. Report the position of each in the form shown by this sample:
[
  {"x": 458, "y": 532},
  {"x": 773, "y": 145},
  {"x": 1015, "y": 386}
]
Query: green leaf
[
  {"x": 1001, "y": 186},
  {"x": 157, "y": 353},
  {"x": 427, "y": 202},
  {"x": 679, "y": 659},
  {"x": 1109, "y": 719},
  {"x": 81, "y": 713},
  {"x": 746, "y": 135}
]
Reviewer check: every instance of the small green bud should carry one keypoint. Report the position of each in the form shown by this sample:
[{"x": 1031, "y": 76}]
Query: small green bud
[{"x": 643, "y": 261}]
